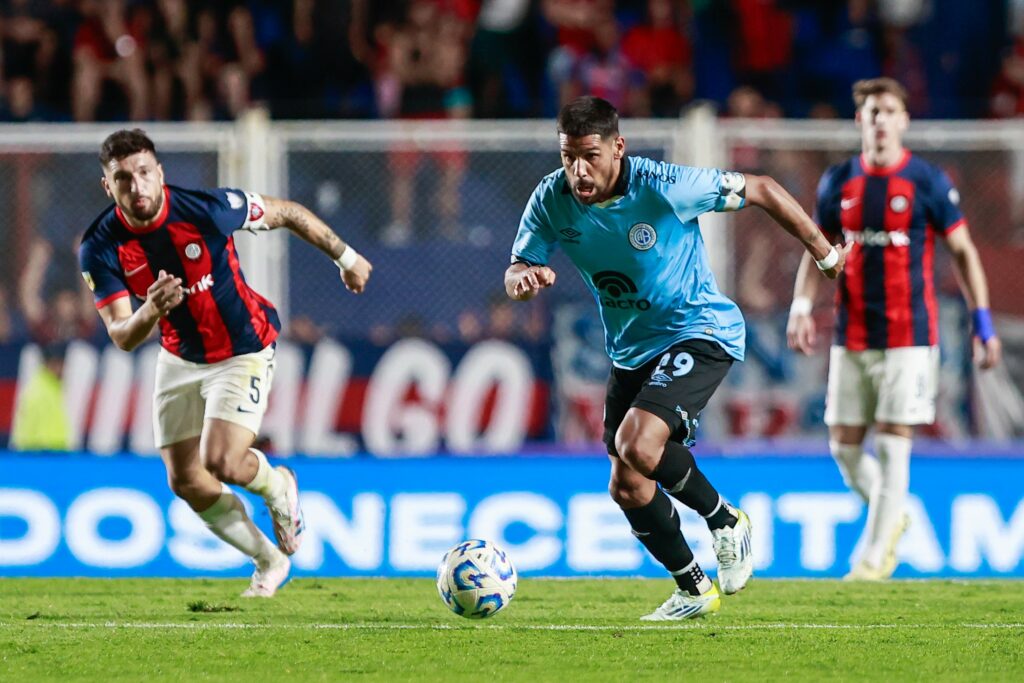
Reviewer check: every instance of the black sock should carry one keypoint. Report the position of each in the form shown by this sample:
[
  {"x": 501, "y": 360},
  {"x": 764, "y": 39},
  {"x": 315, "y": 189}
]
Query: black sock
[
  {"x": 690, "y": 578},
  {"x": 678, "y": 474},
  {"x": 721, "y": 518},
  {"x": 656, "y": 525}
]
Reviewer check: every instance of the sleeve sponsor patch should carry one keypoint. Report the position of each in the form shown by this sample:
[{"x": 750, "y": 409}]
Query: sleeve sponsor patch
[
  {"x": 89, "y": 282},
  {"x": 235, "y": 200}
]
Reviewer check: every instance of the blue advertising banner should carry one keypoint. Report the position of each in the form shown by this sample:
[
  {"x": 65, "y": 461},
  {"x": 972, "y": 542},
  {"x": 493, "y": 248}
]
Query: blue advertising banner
[{"x": 85, "y": 515}]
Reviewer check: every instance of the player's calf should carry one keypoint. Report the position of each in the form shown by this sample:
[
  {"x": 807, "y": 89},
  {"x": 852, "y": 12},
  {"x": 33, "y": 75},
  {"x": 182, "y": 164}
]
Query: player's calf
[{"x": 280, "y": 490}]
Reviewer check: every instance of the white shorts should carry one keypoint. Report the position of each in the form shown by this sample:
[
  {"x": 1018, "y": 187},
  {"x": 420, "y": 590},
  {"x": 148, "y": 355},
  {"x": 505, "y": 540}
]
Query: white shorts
[
  {"x": 186, "y": 393},
  {"x": 897, "y": 386}
]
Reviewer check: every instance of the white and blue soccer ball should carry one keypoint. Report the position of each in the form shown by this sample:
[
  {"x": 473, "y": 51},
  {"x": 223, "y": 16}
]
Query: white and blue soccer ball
[{"x": 476, "y": 579}]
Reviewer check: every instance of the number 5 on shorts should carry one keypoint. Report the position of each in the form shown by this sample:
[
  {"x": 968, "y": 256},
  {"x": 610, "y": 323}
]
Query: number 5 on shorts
[{"x": 254, "y": 389}]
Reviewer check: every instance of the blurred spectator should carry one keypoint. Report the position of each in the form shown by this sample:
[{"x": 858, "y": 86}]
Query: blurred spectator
[
  {"x": 229, "y": 58},
  {"x": 659, "y": 48},
  {"x": 6, "y": 323},
  {"x": 172, "y": 59},
  {"x": 763, "y": 44},
  {"x": 304, "y": 330},
  {"x": 605, "y": 71},
  {"x": 55, "y": 303},
  {"x": 40, "y": 418},
  {"x": 427, "y": 55},
  {"x": 576, "y": 23},
  {"x": 499, "y": 61},
  {"x": 106, "y": 52}
]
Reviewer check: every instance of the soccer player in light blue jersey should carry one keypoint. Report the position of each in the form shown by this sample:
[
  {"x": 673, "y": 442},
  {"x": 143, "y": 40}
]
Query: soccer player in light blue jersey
[{"x": 629, "y": 225}]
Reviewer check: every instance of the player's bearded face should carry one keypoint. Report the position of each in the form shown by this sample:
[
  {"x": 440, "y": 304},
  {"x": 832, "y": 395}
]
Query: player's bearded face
[
  {"x": 591, "y": 165},
  {"x": 136, "y": 184}
]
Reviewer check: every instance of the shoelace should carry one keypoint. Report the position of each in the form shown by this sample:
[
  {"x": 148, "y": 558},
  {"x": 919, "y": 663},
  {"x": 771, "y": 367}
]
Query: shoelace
[{"x": 725, "y": 549}]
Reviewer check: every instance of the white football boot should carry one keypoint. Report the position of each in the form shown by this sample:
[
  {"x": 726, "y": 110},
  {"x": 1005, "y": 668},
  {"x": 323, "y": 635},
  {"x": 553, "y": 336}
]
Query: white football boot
[
  {"x": 682, "y": 605},
  {"x": 734, "y": 552},
  {"x": 863, "y": 571},
  {"x": 287, "y": 515},
  {"x": 270, "y": 573}
]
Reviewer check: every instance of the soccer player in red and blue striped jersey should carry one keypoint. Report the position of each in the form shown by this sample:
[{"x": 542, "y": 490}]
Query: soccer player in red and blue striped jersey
[
  {"x": 889, "y": 207},
  {"x": 165, "y": 256}
]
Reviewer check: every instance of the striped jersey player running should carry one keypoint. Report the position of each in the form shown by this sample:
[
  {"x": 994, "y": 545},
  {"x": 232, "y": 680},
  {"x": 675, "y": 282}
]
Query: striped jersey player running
[
  {"x": 165, "y": 256},
  {"x": 889, "y": 206},
  {"x": 630, "y": 226}
]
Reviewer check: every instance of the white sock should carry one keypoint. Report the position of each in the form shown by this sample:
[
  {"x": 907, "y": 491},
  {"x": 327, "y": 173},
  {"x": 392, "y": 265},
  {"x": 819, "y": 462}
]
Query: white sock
[
  {"x": 894, "y": 462},
  {"x": 860, "y": 471},
  {"x": 268, "y": 482},
  {"x": 228, "y": 520}
]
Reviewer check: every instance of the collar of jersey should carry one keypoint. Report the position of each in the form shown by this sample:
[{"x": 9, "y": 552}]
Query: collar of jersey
[
  {"x": 885, "y": 170},
  {"x": 161, "y": 217},
  {"x": 618, "y": 192}
]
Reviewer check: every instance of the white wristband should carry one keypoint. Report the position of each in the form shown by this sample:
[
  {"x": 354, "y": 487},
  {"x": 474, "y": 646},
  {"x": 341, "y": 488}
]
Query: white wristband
[
  {"x": 801, "y": 305},
  {"x": 830, "y": 260},
  {"x": 347, "y": 259}
]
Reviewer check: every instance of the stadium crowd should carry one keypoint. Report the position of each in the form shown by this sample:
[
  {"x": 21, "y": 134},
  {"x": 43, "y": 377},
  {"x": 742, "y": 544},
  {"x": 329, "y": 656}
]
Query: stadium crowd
[{"x": 85, "y": 60}]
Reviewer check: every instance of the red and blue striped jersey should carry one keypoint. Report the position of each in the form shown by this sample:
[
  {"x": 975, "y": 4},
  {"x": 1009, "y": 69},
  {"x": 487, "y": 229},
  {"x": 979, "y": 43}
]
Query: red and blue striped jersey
[
  {"x": 192, "y": 239},
  {"x": 886, "y": 293}
]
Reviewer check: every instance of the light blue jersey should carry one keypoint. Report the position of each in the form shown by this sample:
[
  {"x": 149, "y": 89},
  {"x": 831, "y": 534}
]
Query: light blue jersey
[{"x": 642, "y": 256}]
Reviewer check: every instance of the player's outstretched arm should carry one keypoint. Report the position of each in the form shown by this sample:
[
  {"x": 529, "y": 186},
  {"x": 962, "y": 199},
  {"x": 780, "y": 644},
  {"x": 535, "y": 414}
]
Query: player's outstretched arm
[
  {"x": 974, "y": 285},
  {"x": 523, "y": 281},
  {"x": 763, "y": 191},
  {"x": 355, "y": 269},
  {"x": 126, "y": 329},
  {"x": 801, "y": 333}
]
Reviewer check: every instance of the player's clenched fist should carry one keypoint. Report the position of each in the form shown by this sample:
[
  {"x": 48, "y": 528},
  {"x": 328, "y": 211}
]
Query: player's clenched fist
[
  {"x": 833, "y": 272},
  {"x": 531, "y": 280},
  {"x": 356, "y": 276},
  {"x": 165, "y": 293}
]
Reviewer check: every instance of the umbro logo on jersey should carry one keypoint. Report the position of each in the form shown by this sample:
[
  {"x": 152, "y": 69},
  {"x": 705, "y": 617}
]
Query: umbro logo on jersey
[
  {"x": 571, "y": 235},
  {"x": 615, "y": 288}
]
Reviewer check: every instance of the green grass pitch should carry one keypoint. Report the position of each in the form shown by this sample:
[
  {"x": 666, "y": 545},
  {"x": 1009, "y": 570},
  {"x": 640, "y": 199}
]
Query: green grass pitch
[{"x": 577, "y": 630}]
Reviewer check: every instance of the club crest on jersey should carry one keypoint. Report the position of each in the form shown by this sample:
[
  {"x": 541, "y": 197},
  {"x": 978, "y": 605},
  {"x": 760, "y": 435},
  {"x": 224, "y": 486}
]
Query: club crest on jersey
[
  {"x": 899, "y": 203},
  {"x": 193, "y": 251},
  {"x": 642, "y": 236}
]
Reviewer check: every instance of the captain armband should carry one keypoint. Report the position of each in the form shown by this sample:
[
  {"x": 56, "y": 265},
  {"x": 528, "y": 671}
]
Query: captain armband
[{"x": 732, "y": 191}]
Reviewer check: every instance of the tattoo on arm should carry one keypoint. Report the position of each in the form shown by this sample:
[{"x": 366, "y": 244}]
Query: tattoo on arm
[{"x": 306, "y": 225}]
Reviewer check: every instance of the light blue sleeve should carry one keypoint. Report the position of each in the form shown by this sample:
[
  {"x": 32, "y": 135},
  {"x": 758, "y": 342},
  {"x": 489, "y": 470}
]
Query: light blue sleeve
[
  {"x": 700, "y": 190},
  {"x": 536, "y": 237}
]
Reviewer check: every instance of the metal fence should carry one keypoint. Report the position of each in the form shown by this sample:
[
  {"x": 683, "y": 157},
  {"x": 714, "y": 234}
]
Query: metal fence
[{"x": 435, "y": 205}]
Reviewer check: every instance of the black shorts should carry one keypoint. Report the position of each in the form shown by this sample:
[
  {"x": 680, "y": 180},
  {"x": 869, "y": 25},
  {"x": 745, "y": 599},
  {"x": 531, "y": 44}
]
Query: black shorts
[{"x": 674, "y": 385}]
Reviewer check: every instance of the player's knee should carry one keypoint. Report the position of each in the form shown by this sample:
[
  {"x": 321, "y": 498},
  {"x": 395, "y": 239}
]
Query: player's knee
[
  {"x": 628, "y": 494},
  {"x": 225, "y": 464},
  {"x": 185, "y": 486},
  {"x": 641, "y": 452}
]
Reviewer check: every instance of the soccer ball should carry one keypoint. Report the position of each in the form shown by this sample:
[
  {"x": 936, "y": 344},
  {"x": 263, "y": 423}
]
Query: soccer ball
[{"x": 476, "y": 578}]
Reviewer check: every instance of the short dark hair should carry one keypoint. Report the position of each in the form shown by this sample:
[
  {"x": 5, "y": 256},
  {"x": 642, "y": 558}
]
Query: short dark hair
[
  {"x": 865, "y": 88},
  {"x": 125, "y": 143},
  {"x": 589, "y": 115}
]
